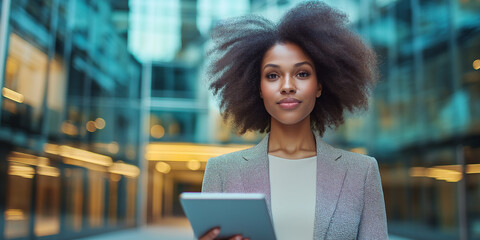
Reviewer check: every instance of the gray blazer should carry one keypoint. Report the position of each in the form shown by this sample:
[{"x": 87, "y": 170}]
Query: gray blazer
[{"x": 349, "y": 203}]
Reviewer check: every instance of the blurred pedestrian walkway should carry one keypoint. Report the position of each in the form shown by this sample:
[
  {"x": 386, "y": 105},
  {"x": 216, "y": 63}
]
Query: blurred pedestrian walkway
[{"x": 168, "y": 229}]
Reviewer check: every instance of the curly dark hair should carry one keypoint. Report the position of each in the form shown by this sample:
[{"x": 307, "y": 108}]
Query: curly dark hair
[{"x": 345, "y": 66}]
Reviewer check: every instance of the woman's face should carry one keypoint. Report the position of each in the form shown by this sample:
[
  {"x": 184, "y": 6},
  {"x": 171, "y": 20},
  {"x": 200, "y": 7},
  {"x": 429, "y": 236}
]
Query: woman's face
[{"x": 288, "y": 84}]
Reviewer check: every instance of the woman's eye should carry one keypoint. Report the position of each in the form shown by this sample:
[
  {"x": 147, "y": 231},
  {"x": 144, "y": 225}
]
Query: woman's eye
[
  {"x": 272, "y": 76},
  {"x": 303, "y": 74}
]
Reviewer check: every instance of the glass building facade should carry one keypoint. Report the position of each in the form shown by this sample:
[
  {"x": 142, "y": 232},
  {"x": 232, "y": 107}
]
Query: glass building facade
[
  {"x": 68, "y": 83},
  {"x": 423, "y": 125},
  {"x": 104, "y": 118}
]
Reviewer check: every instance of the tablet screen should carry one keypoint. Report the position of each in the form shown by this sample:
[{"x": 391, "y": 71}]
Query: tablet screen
[{"x": 234, "y": 213}]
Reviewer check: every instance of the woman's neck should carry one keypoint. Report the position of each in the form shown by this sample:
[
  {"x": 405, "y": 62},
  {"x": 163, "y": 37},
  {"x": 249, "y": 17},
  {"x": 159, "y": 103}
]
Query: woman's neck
[{"x": 291, "y": 141}]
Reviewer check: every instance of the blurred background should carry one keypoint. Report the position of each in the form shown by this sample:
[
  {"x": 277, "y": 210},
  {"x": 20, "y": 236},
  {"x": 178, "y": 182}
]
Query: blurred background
[{"x": 105, "y": 118}]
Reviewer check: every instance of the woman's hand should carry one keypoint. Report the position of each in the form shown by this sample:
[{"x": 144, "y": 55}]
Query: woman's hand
[{"x": 213, "y": 233}]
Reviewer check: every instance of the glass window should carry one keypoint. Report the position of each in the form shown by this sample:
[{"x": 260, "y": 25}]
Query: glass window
[
  {"x": 47, "y": 212},
  {"x": 131, "y": 201},
  {"x": 96, "y": 199},
  {"x": 469, "y": 64},
  {"x": 173, "y": 81},
  {"x": 172, "y": 126},
  {"x": 56, "y": 96},
  {"x": 24, "y": 85},
  {"x": 74, "y": 178},
  {"x": 472, "y": 160},
  {"x": 19, "y": 199},
  {"x": 113, "y": 199}
]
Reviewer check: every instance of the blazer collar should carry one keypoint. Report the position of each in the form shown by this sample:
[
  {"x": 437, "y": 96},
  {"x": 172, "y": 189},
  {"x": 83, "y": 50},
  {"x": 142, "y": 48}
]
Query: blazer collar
[{"x": 330, "y": 177}]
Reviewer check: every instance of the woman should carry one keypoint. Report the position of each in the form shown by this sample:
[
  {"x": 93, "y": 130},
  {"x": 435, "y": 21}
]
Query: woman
[{"x": 292, "y": 80}]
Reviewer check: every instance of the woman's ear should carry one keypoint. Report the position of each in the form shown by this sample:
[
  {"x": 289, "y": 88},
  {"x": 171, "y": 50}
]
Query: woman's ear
[{"x": 319, "y": 91}]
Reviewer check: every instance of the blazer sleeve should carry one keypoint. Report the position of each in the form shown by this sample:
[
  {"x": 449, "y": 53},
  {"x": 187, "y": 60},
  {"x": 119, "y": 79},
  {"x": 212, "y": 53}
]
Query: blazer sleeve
[
  {"x": 373, "y": 221},
  {"x": 212, "y": 180}
]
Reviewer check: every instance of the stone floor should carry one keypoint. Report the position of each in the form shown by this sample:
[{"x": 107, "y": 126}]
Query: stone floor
[{"x": 168, "y": 229}]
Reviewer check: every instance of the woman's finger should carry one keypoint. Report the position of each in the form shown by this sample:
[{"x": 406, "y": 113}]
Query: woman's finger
[
  {"x": 236, "y": 237},
  {"x": 211, "y": 235}
]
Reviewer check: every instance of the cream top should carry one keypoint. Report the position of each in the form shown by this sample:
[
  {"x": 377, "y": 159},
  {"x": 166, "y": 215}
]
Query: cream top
[{"x": 293, "y": 185}]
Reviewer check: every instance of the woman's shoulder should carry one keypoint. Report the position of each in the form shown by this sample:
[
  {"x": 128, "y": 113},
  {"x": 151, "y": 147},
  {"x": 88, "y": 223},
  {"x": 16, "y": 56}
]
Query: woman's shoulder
[{"x": 356, "y": 160}]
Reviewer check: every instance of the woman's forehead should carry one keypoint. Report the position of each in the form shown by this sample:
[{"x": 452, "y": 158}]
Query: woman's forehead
[{"x": 285, "y": 54}]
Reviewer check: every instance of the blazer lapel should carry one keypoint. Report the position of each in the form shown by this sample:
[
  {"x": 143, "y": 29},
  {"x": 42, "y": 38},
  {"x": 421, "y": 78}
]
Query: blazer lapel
[
  {"x": 255, "y": 171},
  {"x": 330, "y": 177}
]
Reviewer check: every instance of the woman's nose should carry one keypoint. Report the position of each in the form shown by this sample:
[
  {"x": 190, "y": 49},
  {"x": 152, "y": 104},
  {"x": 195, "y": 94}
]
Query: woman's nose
[{"x": 288, "y": 86}]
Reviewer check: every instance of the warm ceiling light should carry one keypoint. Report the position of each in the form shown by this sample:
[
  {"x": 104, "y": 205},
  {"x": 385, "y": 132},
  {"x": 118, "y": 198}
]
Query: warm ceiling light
[
  {"x": 12, "y": 95},
  {"x": 21, "y": 171},
  {"x": 187, "y": 151},
  {"x": 360, "y": 150},
  {"x": 48, "y": 171},
  {"x": 99, "y": 123},
  {"x": 78, "y": 154},
  {"x": 69, "y": 128},
  {"x": 476, "y": 64},
  {"x": 113, "y": 147},
  {"x": 91, "y": 126},
  {"x": 163, "y": 167},
  {"x": 125, "y": 169},
  {"x": 473, "y": 168},
  {"x": 194, "y": 164},
  {"x": 157, "y": 131}
]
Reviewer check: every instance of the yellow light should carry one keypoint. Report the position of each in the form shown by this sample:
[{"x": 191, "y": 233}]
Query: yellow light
[
  {"x": 115, "y": 177},
  {"x": 12, "y": 66},
  {"x": 43, "y": 161},
  {"x": 194, "y": 165},
  {"x": 14, "y": 214},
  {"x": 187, "y": 151},
  {"x": 449, "y": 173},
  {"x": 249, "y": 136},
  {"x": 360, "y": 150},
  {"x": 28, "y": 172},
  {"x": 69, "y": 128},
  {"x": 476, "y": 64},
  {"x": 22, "y": 158},
  {"x": 444, "y": 174},
  {"x": 157, "y": 131},
  {"x": 51, "y": 148},
  {"x": 99, "y": 123},
  {"x": 91, "y": 126},
  {"x": 113, "y": 147},
  {"x": 21, "y": 171},
  {"x": 473, "y": 168},
  {"x": 48, "y": 171},
  {"x": 86, "y": 156},
  {"x": 124, "y": 169},
  {"x": 12, "y": 95},
  {"x": 78, "y": 154},
  {"x": 417, "y": 172},
  {"x": 90, "y": 166},
  {"x": 163, "y": 167}
]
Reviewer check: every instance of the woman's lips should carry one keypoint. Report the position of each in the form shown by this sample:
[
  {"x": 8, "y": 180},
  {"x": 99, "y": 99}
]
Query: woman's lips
[{"x": 289, "y": 103}]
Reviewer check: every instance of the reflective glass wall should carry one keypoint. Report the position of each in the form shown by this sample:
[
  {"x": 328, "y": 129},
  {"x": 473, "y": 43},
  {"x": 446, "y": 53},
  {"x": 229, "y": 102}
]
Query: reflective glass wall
[
  {"x": 423, "y": 123},
  {"x": 75, "y": 114},
  {"x": 69, "y": 84}
]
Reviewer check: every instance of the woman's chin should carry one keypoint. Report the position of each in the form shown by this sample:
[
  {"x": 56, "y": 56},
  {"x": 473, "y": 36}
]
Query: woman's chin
[{"x": 287, "y": 122}]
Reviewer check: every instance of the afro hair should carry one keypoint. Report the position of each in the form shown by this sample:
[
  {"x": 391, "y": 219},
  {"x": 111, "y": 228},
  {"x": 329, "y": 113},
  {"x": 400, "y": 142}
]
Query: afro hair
[{"x": 345, "y": 65}]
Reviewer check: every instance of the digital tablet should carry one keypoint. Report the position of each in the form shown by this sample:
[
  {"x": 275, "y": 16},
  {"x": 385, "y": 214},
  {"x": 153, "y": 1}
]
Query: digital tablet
[{"x": 234, "y": 213}]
